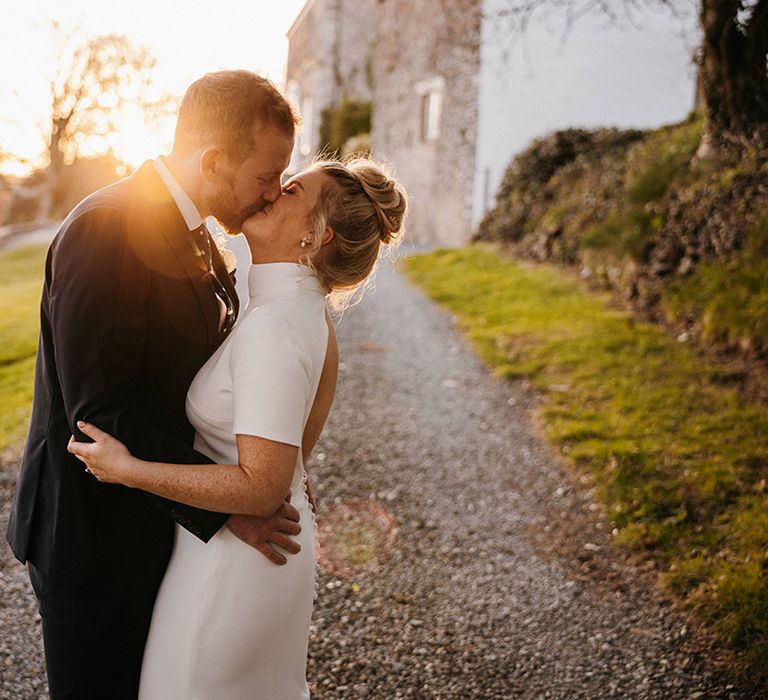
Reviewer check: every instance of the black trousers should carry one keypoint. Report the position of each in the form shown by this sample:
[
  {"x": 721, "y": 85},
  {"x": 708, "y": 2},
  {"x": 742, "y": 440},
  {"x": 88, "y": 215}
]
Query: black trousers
[{"x": 93, "y": 637}]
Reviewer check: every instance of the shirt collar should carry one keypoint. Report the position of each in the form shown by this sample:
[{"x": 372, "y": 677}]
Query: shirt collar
[
  {"x": 282, "y": 280},
  {"x": 186, "y": 206}
]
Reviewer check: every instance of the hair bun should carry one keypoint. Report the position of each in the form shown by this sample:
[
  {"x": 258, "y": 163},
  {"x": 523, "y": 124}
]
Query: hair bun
[{"x": 388, "y": 196}]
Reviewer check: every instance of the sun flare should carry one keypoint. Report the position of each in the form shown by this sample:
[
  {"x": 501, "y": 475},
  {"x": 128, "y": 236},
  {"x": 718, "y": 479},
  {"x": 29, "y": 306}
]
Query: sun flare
[{"x": 236, "y": 34}]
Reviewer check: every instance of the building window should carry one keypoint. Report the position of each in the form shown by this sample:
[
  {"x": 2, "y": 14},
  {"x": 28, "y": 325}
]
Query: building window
[{"x": 431, "y": 108}]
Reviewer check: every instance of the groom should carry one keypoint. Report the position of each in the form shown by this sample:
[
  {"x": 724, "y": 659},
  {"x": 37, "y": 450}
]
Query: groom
[{"x": 136, "y": 299}]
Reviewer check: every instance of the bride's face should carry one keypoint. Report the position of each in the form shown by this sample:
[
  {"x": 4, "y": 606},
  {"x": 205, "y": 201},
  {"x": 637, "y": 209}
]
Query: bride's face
[{"x": 274, "y": 234}]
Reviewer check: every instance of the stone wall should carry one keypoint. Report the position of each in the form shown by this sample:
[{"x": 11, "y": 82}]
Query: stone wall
[
  {"x": 329, "y": 58},
  {"x": 309, "y": 78},
  {"x": 422, "y": 43},
  {"x": 356, "y": 27}
]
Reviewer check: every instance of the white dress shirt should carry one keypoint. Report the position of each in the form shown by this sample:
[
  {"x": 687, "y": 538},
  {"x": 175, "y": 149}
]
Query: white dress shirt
[
  {"x": 189, "y": 213},
  {"x": 187, "y": 208}
]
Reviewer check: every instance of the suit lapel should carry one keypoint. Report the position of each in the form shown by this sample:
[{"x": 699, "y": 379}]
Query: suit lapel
[{"x": 179, "y": 238}]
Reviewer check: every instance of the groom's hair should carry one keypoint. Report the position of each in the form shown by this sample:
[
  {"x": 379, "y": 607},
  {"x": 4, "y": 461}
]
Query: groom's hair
[{"x": 223, "y": 108}]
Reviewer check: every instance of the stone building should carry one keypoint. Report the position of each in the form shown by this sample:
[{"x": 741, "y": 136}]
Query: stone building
[
  {"x": 329, "y": 59},
  {"x": 455, "y": 97},
  {"x": 425, "y": 111}
]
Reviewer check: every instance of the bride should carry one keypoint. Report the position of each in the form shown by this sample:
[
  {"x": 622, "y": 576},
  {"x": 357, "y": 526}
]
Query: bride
[{"x": 227, "y": 623}]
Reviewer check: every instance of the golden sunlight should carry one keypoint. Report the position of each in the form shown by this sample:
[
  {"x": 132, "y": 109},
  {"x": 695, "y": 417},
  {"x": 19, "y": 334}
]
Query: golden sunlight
[{"x": 182, "y": 45}]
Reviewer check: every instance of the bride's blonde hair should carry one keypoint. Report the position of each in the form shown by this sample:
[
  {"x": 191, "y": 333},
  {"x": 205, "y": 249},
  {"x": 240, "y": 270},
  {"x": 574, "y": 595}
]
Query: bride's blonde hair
[{"x": 365, "y": 208}]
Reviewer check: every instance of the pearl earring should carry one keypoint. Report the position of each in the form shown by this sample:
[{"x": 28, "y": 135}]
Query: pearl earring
[{"x": 304, "y": 242}]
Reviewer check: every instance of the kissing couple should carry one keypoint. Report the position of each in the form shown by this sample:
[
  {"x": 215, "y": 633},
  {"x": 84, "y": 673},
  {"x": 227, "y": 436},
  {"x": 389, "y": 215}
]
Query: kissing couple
[{"x": 162, "y": 507}]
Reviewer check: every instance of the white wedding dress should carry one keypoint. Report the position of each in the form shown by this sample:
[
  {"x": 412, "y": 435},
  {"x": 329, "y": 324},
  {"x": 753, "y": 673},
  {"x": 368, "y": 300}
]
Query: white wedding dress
[{"x": 228, "y": 624}]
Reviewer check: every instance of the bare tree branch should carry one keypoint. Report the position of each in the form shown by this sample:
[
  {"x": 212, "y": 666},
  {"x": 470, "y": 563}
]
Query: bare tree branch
[
  {"x": 93, "y": 82},
  {"x": 732, "y": 56}
]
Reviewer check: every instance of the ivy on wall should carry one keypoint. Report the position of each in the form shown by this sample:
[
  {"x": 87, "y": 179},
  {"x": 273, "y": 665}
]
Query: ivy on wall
[{"x": 339, "y": 124}]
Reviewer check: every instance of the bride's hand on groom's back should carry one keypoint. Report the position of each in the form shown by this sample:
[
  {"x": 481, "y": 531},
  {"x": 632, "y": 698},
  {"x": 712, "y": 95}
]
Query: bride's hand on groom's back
[
  {"x": 106, "y": 457},
  {"x": 265, "y": 534}
]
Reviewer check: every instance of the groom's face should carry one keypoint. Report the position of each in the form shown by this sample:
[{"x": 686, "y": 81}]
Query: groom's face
[{"x": 247, "y": 187}]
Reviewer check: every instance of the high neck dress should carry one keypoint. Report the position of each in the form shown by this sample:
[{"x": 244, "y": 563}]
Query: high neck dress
[{"x": 228, "y": 624}]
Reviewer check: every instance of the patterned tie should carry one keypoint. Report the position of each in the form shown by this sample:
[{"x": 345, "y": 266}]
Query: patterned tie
[{"x": 206, "y": 245}]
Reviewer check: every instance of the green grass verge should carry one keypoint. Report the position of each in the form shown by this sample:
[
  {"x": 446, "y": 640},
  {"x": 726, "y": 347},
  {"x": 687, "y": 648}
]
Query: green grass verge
[
  {"x": 21, "y": 280},
  {"x": 678, "y": 458},
  {"x": 729, "y": 299}
]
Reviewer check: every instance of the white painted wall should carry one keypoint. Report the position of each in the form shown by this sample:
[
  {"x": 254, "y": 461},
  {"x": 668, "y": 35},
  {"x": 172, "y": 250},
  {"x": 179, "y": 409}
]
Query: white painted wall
[{"x": 637, "y": 76}]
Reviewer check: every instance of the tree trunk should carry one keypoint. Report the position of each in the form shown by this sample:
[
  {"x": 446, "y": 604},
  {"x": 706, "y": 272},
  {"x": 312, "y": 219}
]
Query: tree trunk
[
  {"x": 734, "y": 76},
  {"x": 56, "y": 166}
]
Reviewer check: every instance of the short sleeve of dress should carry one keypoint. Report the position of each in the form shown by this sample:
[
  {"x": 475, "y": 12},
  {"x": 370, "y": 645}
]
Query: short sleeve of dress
[{"x": 270, "y": 381}]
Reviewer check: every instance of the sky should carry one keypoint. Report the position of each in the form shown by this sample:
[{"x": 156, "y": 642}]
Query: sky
[
  {"x": 639, "y": 74},
  {"x": 187, "y": 38}
]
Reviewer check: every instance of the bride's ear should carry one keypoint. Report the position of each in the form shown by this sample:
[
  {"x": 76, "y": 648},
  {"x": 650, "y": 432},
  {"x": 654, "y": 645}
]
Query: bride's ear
[{"x": 327, "y": 236}]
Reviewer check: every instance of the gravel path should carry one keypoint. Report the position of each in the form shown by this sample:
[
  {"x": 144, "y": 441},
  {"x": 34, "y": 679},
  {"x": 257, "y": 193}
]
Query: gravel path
[{"x": 497, "y": 579}]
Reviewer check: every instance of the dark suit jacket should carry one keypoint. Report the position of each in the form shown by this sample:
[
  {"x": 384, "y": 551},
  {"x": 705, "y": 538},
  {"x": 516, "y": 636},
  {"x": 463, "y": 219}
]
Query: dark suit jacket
[{"x": 128, "y": 315}]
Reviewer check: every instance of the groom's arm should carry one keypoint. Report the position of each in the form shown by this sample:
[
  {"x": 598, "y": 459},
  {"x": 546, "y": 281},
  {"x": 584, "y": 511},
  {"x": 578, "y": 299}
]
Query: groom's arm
[{"x": 98, "y": 294}]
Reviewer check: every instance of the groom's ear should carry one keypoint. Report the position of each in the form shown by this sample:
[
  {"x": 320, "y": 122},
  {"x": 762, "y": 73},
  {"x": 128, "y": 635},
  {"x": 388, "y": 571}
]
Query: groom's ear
[{"x": 211, "y": 163}]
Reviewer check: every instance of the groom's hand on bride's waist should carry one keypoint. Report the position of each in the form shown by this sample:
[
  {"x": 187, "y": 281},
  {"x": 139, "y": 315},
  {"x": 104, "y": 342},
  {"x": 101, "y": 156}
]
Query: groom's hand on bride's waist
[{"x": 264, "y": 534}]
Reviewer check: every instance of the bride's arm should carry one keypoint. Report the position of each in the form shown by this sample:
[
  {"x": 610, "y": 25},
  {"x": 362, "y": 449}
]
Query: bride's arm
[{"x": 256, "y": 485}]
